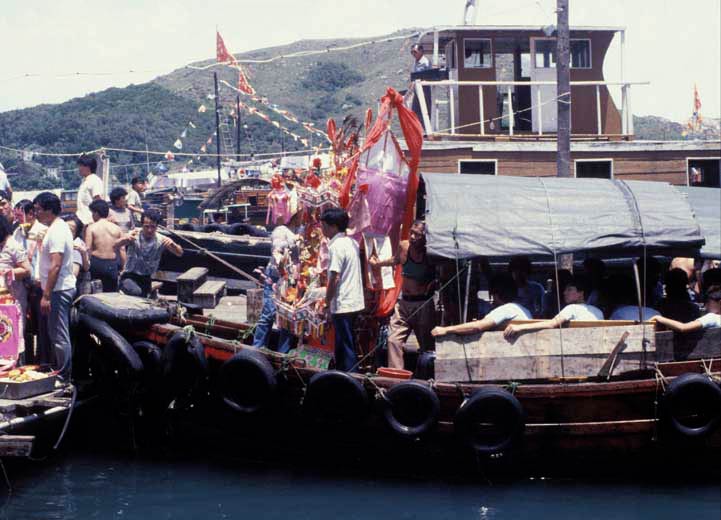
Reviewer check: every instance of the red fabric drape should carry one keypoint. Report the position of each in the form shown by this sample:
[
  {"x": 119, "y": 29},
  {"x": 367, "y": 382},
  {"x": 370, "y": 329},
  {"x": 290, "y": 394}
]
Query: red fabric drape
[{"x": 413, "y": 136}]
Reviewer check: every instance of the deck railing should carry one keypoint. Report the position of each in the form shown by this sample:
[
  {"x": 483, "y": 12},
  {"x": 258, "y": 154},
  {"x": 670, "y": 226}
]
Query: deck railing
[{"x": 431, "y": 121}]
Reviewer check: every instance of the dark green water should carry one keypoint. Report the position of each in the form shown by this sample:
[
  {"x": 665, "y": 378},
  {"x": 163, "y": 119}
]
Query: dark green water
[{"x": 121, "y": 487}]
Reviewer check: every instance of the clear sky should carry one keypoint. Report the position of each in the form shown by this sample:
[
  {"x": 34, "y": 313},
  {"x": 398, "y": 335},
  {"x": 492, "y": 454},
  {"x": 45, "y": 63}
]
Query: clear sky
[{"x": 671, "y": 43}]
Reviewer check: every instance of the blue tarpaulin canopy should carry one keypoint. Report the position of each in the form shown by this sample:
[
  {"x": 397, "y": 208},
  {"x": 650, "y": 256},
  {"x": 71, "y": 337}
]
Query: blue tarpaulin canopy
[
  {"x": 481, "y": 215},
  {"x": 706, "y": 205}
]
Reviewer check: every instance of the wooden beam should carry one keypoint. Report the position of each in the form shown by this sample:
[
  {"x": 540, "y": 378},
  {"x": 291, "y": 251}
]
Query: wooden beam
[
  {"x": 424, "y": 109},
  {"x": 599, "y": 130},
  {"x": 452, "y": 102},
  {"x": 481, "y": 110}
]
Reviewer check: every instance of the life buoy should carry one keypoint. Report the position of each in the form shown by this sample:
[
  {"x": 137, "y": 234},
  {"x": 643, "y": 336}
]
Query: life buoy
[
  {"x": 113, "y": 344},
  {"x": 411, "y": 409},
  {"x": 691, "y": 405},
  {"x": 335, "y": 399},
  {"x": 490, "y": 421},
  {"x": 247, "y": 382},
  {"x": 123, "y": 311}
]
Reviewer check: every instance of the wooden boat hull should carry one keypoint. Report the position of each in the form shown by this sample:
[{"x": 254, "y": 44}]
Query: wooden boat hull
[{"x": 612, "y": 422}]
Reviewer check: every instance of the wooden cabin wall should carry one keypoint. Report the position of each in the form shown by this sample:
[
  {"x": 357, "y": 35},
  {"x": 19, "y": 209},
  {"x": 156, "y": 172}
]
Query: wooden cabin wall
[
  {"x": 666, "y": 166},
  {"x": 583, "y": 98}
]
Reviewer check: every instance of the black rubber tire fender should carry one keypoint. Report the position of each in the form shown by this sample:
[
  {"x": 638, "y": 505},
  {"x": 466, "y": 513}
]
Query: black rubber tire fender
[
  {"x": 150, "y": 354},
  {"x": 697, "y": 389},
  {"x": 411, "y": 409},
  {"x": 184, "y": 351},
  {"x": 247, "y": 382},
  {"x": 335, "y": 398},
  {"x": 122, "y": 318},
  {"x": 493, "y": 406},
  {"x": 118, "y": 348}
]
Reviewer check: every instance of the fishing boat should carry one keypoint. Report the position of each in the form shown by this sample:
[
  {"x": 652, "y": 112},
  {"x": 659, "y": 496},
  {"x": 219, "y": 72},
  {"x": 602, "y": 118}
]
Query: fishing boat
[{"x": 615, "y": 392}]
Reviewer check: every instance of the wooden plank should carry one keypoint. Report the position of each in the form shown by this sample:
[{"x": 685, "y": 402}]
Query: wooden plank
[
  {"x": 254, "y": 304},
  {"x": 189, "y": 281},
  {"x": 16, "y": 445},
  {"x": 573, "y": 352},
  {"x": 209, "y": 294}
]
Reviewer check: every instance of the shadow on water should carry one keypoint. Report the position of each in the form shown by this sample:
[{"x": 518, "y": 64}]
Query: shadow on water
[
  {"x": 77, "y": 485},
  {"x": 101, "y": 474}
]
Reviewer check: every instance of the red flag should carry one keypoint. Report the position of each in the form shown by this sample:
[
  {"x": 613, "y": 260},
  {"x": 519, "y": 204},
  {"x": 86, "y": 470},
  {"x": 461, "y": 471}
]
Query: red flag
[
  {"x": 696, "y": 100},
  {"x": 221, "y": 53},
  {"x": 243, "y": 83}
]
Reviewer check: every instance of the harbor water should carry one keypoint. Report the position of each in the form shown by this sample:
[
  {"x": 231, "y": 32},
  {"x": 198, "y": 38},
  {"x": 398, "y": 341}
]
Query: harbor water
[{"x": 114, "y": 486}]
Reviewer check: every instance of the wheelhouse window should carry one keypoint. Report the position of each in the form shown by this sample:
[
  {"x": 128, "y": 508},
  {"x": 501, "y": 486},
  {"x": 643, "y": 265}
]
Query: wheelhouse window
[
  {"x": 477, "y": 167},
  {"x": 704, "y": 172},
  {"x": 580, "y": 54},
  {"x": 594, "y": 168},
  {"x": 545, "y": 57},
  {"x": 477, "y": 53}
]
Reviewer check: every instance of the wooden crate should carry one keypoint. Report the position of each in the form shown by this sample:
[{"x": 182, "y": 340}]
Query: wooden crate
[
  {"x": 209, "y": 294},
  {"x": 189, "y": 281}
]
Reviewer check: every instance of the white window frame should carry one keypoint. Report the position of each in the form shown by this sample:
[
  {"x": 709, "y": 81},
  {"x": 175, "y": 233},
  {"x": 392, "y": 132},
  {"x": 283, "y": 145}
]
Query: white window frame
[
  {"x": 490, "y": 46},
  {"x": 599, "y": 159},
  {"x": 689, "y": 159},
  {"x": 494, "y": 161},
  {"x": 590, "y": 53}
]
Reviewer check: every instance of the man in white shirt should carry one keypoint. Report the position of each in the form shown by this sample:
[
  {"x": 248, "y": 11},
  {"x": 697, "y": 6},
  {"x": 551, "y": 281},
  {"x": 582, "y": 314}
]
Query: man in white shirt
[
  {"x": 504, "y": 293},
  {"x": 91, "y": 188},
  {"x": 344, "y": 292},
  {"x": 56, "y": 279},
  {"x": 422, "y": 62},
  {"x": 5, "y": 183},
  {"x": 575, "y": 310}
]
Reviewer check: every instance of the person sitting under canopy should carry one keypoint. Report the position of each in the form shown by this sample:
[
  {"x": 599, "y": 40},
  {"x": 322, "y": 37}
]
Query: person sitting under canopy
[
  {"x": 504, "y": 292},
  {"x": 575, "y": 310},
  {"x": 710, "y": 320}
]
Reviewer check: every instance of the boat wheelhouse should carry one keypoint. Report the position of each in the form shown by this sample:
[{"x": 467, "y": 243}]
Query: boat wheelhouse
[{"x": 488, "y": 106}]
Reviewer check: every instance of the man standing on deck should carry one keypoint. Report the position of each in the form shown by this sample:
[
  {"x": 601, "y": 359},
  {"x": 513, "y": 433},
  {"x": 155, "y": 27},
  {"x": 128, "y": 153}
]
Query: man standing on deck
[
  {"x": 100, "y": 239},
  {"x": 56, "y": 279},
  {"x": 91, "y": 188},
  {"x": 134, "y": 200},
  {"x": 144, "y": 249},
  {"x": 344, "y": 292},
  {"x": 415, "y": 310}
]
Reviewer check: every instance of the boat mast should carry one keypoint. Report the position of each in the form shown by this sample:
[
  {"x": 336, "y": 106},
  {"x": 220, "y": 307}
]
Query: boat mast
[
  {"x": 237, "y": 127},
  {"x": 217, "y": 124},
  {"x": 563, "y": 84}
]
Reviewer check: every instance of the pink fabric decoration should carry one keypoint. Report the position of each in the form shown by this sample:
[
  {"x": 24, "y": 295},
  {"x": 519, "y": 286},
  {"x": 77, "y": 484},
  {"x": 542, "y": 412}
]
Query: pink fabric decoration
[
  {"x": 278, "y": 207},
  {"x": 386, "y": 198}
]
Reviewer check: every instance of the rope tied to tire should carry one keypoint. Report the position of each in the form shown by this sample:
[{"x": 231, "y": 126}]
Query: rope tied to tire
[{"x": 380, "y": 393}]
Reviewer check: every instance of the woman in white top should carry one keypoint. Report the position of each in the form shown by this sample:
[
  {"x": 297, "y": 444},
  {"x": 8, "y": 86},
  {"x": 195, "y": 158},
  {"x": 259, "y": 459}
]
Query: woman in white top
[
  {"x": 710, "y": 320},
  {"x": 576, "y": 309}
]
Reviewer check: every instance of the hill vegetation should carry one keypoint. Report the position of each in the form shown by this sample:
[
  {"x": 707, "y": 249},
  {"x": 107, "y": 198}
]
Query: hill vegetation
[{"x": 154, "y": 114}]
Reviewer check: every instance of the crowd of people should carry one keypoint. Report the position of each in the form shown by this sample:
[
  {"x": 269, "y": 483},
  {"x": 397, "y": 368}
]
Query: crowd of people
[{"x": 47, "y": 259}]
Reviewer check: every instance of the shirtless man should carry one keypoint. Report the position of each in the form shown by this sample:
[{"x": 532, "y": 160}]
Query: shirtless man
[
  {"x": 415, "y": 310},
  {"x": 100, "y": 238}
]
